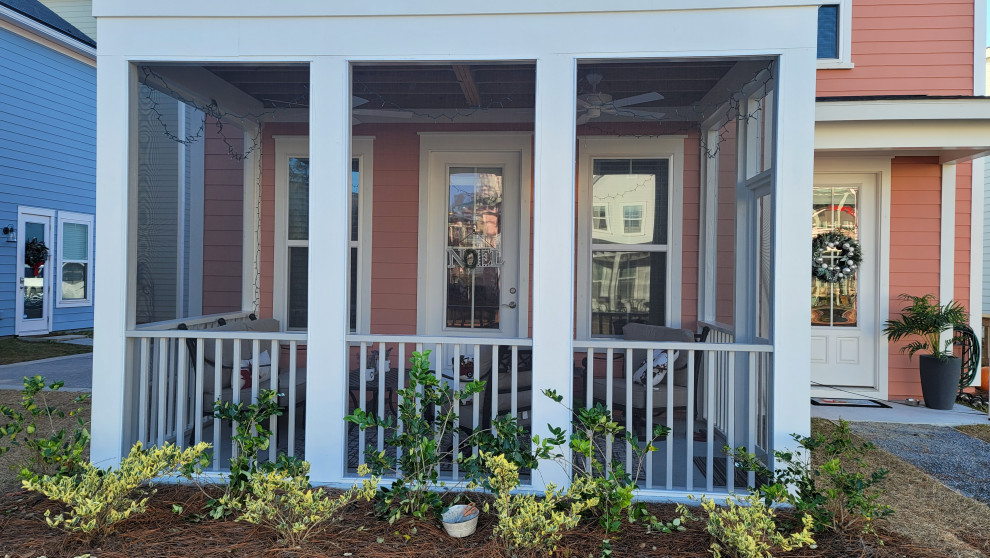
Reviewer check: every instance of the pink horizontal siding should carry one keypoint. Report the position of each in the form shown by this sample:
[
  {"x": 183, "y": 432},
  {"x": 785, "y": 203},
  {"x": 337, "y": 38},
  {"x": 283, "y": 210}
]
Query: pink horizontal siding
[
  {"x": 907, "y": 47},
  {"x": 223, "y": 223},
  {"x": 916, "y": 184}
]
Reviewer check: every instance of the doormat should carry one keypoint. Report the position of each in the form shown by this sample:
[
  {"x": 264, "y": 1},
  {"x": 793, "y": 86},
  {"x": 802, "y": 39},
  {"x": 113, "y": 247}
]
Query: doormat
[{"x": 834, "y": 402}]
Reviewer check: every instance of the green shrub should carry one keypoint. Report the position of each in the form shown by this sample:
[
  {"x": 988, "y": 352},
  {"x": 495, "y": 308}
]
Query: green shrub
[
  {"x": 841, "y": 494},
  {"x": 51, "y": 452},
  {"x": 428, "y": 410},
  {"x": 750, "y": 530},
  {"x": 100, "y": 498},
  {"x": 608, "y": 484},
  {"x": 288, "y": 504},
  {"x": 526, "y": 522}
]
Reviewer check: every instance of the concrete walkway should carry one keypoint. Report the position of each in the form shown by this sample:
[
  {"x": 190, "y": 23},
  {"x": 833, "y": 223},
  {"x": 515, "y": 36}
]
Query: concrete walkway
[
  {"x": 75, "y": 370},
  {"x": 902, "y": 414}
]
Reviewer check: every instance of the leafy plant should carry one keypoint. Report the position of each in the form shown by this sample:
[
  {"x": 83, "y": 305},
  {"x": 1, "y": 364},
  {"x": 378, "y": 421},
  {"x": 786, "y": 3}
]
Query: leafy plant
[
  {"x": 750, "y": 530},
  {"x": 285, "y": 502},
  {"x": 608, "y": 482},
  {"x": 526, "y": 522},
  {"x": 251, "y": 433},
  {"x": 841, "y": 494},
  {"x": 52, "y": 451},
  {"x": 99, "y": 498},
  {"x": 927, "y": 320},
  {"x": 428, "y": 411}
]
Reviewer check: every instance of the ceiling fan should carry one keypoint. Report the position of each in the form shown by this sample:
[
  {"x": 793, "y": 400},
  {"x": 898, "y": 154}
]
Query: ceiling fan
[
  {"x": 376, "y": 113},
  {"x": 593, "y": 105}
]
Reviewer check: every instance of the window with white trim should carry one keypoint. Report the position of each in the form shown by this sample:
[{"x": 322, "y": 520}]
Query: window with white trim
[
  {"x": 629, "y": 271},
  {"x": 835, "y": 34},
  {"x": 599, "y": 217},
  {"x": 292, "y": 234},
  {"x": 75, "y": 259}
]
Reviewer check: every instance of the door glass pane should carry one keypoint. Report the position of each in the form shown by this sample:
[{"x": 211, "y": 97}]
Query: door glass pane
[
  {"x": 474, "y": 247},
  {"x": 835, "y": 209},
  {"x": 298, "y": 198},
  {"x": 633, "y": 194},
  {"x": 34, "y": 273},
  {"x": 627, "y": 287},
  {"x": 298, "y": 283}
]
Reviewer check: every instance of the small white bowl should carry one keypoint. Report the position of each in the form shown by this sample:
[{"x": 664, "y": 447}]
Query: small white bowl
[{"x": 456, "y": 524}]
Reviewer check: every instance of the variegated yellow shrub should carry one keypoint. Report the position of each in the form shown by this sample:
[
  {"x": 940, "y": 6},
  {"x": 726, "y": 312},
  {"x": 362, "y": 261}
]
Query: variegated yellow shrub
[
  {"x": 526, "y": 522},
  {"x": 749, "y": 530},
  {"x": 291, "y": 507},
  {"x": 99, "y": 498}
]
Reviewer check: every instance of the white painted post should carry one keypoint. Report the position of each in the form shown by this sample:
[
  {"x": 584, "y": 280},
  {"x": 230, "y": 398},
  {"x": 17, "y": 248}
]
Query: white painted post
[
  {"x": 329, "y": 202},
  {"x": 793, "y": 179},
  {"x": 114, "y": 91},
  {"x": 947, "y": 251},
  {"x": 553, "y": 252}
]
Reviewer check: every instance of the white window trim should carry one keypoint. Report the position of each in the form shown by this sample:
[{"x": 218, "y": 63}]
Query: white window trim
[
  {"x": 362, "y": 148},
  {"x": 844, "y": 60},
  {"x": 81, "y": 219},
  {"x": 665, "y": 147}
]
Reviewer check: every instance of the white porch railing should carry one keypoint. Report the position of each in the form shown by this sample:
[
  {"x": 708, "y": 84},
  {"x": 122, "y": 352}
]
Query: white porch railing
[
  {"x": 504, "y": 364},
  {"x": 715, "y": 376},
  {"x": 174, "y": 380}
]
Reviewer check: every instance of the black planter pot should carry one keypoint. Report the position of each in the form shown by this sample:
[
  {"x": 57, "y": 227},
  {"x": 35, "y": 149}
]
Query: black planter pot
[{"x": 939, "y": 381}]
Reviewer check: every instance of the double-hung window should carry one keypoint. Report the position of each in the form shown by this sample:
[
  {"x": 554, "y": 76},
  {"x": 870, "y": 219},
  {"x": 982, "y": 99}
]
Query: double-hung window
[
  {"x": 628, "y": 234},
  {"x": 75, "y": 259},
  {"x": 292, "y": 233}
]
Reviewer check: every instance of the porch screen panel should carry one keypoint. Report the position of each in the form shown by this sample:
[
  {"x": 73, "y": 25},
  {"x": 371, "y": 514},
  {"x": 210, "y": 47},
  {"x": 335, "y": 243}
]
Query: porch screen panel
[
  {"x": 629, "y": 238},
  {"x": 835, "y": 209},
  {"x": 474, "y": 247}
]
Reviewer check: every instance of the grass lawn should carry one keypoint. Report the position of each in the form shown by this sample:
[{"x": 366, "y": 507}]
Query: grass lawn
[
  {"x": 14, "y": 350},
  {"x": 930, "y": 521}
]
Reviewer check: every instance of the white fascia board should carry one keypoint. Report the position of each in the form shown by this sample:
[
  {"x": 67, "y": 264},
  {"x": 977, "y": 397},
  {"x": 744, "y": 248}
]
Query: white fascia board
[
  {"x": 46, "y": 33},
  {"x": 903, "y": 109},
  {"x": 318, "y": 8},
  {"x": 952, "y": 140}
]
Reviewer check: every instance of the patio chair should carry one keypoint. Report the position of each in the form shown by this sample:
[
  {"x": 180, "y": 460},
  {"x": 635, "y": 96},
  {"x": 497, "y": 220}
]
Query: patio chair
[{"x": 645, "y": 332}]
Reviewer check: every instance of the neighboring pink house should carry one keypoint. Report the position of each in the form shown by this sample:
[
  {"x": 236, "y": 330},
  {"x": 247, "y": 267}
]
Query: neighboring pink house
[{"x": 511, "y": 188}]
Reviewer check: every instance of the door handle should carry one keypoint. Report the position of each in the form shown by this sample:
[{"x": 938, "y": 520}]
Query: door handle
[{"x": 510, "y": 304}]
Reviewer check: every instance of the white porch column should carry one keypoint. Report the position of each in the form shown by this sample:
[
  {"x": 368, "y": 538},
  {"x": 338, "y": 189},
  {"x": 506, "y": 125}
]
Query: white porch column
[
  {"x": 329, "y": 202},
  {"x": 553, "y": 252},
  {"x": 115, "y": 91},
  {"x": 793, "y": 179},
  {"x": 947, "y": 250}
]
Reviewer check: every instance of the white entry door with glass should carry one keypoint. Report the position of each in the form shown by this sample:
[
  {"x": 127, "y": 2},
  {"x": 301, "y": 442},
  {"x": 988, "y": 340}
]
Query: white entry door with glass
[
  {"x": 34, "y": 277},
  {"x": 474, "y": 280},
  {"x": 844, "y": 310}
]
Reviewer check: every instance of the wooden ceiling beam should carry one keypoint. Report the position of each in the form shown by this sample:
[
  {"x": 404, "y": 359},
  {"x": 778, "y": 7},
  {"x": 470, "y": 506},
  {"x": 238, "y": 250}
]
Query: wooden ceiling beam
[{"x": 468, "y": 85}]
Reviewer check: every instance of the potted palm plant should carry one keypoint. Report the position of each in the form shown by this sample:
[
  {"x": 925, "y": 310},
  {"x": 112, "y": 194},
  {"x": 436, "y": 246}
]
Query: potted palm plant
[{"x": 925, "y": 320}]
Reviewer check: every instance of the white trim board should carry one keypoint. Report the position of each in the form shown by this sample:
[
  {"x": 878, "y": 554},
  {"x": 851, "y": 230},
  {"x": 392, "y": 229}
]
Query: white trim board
[
  {"x": 947, "y": 243},
  {"x": 879, "y": 166}
]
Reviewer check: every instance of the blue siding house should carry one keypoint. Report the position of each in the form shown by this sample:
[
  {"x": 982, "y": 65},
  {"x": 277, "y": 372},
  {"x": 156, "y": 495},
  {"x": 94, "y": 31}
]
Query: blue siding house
[{"x": 47, "y": 171}]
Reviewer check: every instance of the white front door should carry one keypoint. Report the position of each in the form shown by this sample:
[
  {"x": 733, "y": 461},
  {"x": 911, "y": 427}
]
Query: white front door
[
  {"x": 845, "y": 313},
  {"x": 34, "y": 272}
]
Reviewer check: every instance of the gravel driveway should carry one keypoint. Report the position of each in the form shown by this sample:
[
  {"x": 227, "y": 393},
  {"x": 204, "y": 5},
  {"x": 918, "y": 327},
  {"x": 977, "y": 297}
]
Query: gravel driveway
[{"x": 959, "y": 461}]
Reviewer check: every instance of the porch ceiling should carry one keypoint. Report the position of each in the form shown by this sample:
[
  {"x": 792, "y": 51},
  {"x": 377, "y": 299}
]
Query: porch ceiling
[{"x": 465, "y": 85}]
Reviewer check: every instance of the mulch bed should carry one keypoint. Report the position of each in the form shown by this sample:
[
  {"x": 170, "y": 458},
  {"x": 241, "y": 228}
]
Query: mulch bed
[{"x": 162, "y": 533}]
